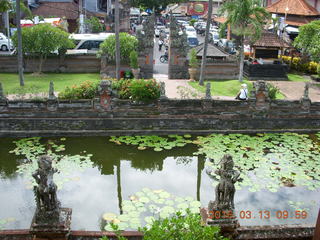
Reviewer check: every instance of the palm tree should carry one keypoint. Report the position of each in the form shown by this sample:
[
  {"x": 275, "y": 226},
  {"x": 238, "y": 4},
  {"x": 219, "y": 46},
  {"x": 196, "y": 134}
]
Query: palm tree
[
  {"x": 117, "y": 29},
  {"x": 246, "y": 19},
  {"x": 4, "y": 6}
]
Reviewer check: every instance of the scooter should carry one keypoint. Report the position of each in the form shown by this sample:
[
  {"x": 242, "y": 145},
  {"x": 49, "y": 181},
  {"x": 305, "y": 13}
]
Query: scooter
[{"x": 164, "y": 58}]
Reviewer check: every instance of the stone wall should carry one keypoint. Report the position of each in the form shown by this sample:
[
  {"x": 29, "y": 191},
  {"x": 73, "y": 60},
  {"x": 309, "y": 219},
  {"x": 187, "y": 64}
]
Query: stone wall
[
  {"x": 266, "y": 72},
  {"x": 90, "y": 117},
  {"x": 68, "y": 64},
  {"x": 285, "y": 232},
  {"x": 220, "y": 71}
]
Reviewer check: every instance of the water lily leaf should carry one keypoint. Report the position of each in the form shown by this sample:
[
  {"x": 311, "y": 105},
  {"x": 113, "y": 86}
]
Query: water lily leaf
[{"x": 109, "y": 216}]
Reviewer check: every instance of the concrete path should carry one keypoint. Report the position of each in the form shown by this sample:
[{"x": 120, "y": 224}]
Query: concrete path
[{"x": 295, "y": 90}]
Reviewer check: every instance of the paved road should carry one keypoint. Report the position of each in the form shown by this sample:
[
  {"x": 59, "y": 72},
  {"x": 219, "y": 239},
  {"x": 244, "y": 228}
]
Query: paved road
[{"x": 159, "y": 68}]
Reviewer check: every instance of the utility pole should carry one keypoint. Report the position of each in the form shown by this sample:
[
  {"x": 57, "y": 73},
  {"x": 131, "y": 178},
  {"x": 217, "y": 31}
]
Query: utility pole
[
  {"x": 20, "y": 56},
  {"x": 205, "y": 47},
  {"x": 8, "y": 30},
  {"x": 117, "y": 30}
]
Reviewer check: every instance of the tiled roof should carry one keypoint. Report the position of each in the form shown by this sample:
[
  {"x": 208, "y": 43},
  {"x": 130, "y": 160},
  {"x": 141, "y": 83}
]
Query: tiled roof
[
  {"x": 270, "y": 40},
  {"x": 298, "y": 21},
  {"x": 70, "y": 10},
  {"x": 212, "y": 51},
  {"x": 295, "y": 7}
]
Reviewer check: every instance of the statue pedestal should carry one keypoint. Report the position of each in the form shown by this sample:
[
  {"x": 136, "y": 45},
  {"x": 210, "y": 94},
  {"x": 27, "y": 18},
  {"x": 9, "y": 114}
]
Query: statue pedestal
[
  {"x": 53, "y": 231},
  {"x": 225, "y": 219}
]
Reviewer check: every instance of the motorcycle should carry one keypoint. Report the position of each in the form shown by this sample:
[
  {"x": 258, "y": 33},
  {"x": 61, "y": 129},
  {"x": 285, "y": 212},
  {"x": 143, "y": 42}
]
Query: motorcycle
[{"x": 164, "y": 58}]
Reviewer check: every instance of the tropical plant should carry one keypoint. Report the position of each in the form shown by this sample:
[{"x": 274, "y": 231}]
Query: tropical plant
[
  {"x": 192, "y": 22},
  {"x": 308, "y": 40},
  {"x": 5, "y": 5},
  {"x": 193, "y": 62},
  {"x": 273, "y": 91},
  {"x": 42, "y": 40},
  {"x": 297, "y": 64},
  {"x": 94, "y": 25},
  {"x": 318, "y": 70},
  {"x": 134, "y": 60},
  {"x": 182, "y": 227},
  {"x": 128, "y": 44},
  {"x": 86, "y": 90},
  {"x": 137, "y": 89},
  {"x": 157, "y": 5},
  {"x": 246, "y": 19}
]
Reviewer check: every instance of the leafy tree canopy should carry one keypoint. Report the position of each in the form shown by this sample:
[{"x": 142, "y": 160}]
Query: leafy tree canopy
[
  {"x": 128, "y": 44},
  {"x": 4, "y": 5},
  {"x": 158, "y": 5},
  {"x": 309, "y": 39},
  {"x": 42, "y": 40},
  {"x": 94, "y": 25}
]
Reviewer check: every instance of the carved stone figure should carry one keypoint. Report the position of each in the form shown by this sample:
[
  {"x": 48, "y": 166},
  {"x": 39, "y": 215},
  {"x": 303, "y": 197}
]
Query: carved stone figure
[
  {"x": 48, "y": 205},
  {"x": 225, "y": 190},
  {"x": 208, "y": 91},
  {"x": 51, "y": 92},
  {"x": 162, "y": 90},
  {"x": 2, "y": 96}
]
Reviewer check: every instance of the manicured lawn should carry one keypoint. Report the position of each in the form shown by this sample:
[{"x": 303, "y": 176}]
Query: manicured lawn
[
  {"x": 228, "y": 88},
  {"x": 39, "y": 84},
  {"x": 296, "y": 78}
]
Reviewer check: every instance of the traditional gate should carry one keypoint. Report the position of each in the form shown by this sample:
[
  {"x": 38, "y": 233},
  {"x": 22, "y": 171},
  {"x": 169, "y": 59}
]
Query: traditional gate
[{"x": 178, "y": 52}]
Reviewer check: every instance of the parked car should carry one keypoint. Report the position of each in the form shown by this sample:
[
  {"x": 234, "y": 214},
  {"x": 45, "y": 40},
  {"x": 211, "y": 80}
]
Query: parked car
[
  {"x": 190, "y": 31},
  {"x": 227, "y": 45},
  {"x": 214, "y": 38},
  {"x": 193, "y": 41},
  {"x": 4, "y": 43},
  {"x": 89, "y": 42}
]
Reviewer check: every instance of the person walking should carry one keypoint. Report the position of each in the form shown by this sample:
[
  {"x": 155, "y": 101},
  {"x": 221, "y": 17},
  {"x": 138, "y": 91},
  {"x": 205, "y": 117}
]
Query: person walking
[{"x": 160, "y": 43}]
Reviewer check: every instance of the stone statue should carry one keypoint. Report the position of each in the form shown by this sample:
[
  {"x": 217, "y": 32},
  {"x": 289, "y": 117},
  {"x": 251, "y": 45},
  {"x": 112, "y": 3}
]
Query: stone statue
[
  {"x": 2, "y": 96},
  {"x": 208, "y": 91},
  {"x": 162, "y": 90},
  {"x": 51, "y": 92},
  {"x": 225, "y": 190},
  {"x": 306, "y": 91},
  {"x": 48, "y": 205}
]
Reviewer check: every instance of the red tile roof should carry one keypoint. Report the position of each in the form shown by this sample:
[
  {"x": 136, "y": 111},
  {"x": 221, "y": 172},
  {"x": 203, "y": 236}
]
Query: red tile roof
[
  {"x": 296, "y": 7},
  {"x": 70, "y": 10}
]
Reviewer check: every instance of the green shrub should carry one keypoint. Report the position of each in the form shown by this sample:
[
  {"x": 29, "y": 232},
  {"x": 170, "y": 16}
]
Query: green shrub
[
  {"x": 273, "y": 91},
  {"x": 318, "y": 70},
  {"x": 94, "y": 25},
  {"x": 137, "y": 89},
  {"x": 181, "y": 227},
  {"x": 298, "y": 65},
  {"x": 128, "y": 44},
  {"x": 192, "y": 22},
  {"x": 134, "y": 60},
  {"x": 193, "y": 62},
  {"x": 86, "y": 90}
]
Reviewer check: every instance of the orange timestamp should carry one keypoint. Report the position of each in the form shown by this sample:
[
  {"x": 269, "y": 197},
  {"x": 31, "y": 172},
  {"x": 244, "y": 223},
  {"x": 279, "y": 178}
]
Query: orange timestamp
[{"x": 262, "y": 214}]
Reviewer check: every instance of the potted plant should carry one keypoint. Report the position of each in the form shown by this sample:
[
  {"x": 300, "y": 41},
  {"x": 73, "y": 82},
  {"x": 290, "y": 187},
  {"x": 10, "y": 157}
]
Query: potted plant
[
  {"x": 134, "y": 64},
  {"x": 193, "y": 64}
]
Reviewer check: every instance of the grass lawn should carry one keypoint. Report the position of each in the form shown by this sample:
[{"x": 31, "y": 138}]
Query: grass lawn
[
  {"x": 297, "y": 78},
  {"x": 39, "y": 84},
  {"x": 228, "y": 88}
]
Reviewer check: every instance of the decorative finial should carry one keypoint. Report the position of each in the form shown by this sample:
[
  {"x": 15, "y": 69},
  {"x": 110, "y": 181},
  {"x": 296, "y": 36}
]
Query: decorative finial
[
  {"x": 51, "y": 91},
  {"x": 208, "y": 91}
]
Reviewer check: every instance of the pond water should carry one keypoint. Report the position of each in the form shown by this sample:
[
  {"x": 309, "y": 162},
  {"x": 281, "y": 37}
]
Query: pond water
[{"x": 108, "y": 175}]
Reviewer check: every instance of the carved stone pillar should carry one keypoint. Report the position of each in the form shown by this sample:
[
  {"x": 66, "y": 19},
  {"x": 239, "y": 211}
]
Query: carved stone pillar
[
  {"x": 145, "y": 48},
  {"x": 178, "y": 52},
  {"x": 305, "y": 100},
  {"x": 260, "y": 100}
]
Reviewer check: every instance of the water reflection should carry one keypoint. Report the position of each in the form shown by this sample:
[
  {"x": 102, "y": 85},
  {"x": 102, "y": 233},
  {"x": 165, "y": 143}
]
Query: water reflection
[{"x": 121, "y": 171}]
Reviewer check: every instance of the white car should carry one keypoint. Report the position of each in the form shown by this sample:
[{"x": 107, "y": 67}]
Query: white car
[
  {"x": 4, "y": 43},
  {"x": 190, "y": 31}
]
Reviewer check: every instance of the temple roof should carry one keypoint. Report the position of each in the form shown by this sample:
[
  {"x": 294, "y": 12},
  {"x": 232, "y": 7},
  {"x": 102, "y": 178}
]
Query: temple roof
[
  {"x": 295, "y": 7},
  {"x": 270, "y": 40},
  {"x": 213, "y": 51}
]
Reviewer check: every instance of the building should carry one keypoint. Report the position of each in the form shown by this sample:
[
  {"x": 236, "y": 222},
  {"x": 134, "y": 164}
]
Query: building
[
  {"x": 71, "y": 9},
  {"x": 313, "y": 3}
]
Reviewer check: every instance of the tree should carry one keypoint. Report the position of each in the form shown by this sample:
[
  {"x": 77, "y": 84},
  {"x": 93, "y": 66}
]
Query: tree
[
  {"x": 94, "y": 25},
  {"x": 308, "y": 40},
  {"x": 5, "y": 5},
  {"x": 246, "y": 19},
  {"x": 205, "y": 47},
  {"x": 128, "y": 44},
  {"x": 154, "y": 4},
  {"x": 42, "y": 40}
]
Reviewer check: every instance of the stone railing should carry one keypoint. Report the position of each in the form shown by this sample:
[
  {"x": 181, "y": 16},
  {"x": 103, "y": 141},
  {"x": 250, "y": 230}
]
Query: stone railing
[{"x": 106, "y": 115}]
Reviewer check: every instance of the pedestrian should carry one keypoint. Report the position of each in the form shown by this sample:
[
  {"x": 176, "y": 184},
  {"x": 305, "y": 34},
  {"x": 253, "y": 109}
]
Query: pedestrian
[
  {"x": 160, "y": 44},
  {"x": 243, "y": 93}
]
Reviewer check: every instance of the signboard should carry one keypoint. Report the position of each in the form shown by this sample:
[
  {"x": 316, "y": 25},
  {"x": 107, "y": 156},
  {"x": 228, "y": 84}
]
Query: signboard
[{"x": 197, "y": 8}]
